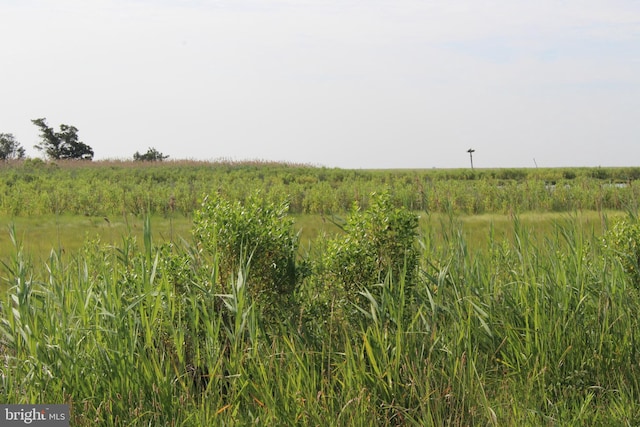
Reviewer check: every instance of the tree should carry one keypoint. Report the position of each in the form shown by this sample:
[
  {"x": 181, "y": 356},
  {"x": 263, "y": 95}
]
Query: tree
[
  {"x": 152, "y": 155},
  {"x": 10, "y": 148},
  {"x": 62, "y": 145}
]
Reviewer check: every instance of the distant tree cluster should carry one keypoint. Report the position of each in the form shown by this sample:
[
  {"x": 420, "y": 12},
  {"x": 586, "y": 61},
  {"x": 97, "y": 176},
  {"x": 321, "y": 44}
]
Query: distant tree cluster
[
  {"x": 152, "y": 155},
  {"x": 62, "y": 145},
  {"x": 10, "y": 149}
]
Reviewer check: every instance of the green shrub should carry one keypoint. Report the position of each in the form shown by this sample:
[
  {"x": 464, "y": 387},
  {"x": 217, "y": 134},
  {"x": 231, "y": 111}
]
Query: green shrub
[
  {"x": 599, "y": 173},
  {"x": 623, "y": 241},
  {"x": 377, "y": 241},
  {"x": 256, "y": 231},
  {"x": 512, "y": 174}
]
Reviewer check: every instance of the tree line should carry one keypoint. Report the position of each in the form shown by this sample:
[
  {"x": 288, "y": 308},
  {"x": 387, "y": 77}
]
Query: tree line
[{"x": 61, "y": 145}]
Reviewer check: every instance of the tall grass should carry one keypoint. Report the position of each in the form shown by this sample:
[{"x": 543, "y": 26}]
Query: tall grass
[
  {"x": 525, "y": 331},
  {"x": 111, "y": 189}
]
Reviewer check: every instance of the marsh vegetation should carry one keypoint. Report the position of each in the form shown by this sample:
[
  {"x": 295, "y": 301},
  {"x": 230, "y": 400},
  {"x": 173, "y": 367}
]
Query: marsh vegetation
[{"x": 419, "y": 298}]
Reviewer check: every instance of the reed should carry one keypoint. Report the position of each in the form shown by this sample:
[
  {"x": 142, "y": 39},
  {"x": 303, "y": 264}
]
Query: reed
[{"x": 524, "y": 330}]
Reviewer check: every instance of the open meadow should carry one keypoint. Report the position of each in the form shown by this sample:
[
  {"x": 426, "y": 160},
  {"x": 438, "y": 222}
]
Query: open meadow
[{"x": 192, "y": 293}]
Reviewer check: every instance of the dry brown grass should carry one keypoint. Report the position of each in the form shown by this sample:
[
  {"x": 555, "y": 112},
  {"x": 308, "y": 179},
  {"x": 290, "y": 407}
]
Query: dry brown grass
[{"x": 126, "y": 163}]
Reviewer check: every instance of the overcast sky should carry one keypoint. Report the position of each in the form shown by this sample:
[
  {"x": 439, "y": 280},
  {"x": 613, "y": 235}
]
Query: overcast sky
[{"x": 337, "y": 83}]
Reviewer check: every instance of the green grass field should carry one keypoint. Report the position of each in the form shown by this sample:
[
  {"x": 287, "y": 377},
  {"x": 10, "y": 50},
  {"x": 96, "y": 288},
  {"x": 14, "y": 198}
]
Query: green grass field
[
  {"x": 40, "y": 235},
  {"x": 221, "y": 316}
]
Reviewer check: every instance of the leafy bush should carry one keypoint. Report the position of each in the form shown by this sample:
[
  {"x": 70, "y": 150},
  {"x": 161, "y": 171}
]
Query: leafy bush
[
  {"x": 623, "y": 241},
  {"x": 599, "y": 173},
  {"x": 257, "y": 231},
  {"x": 378, "y": 241},
  {"x": 152, "y": 155}
]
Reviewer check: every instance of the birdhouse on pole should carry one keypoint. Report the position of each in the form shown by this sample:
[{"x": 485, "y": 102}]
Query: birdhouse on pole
[{"x": 471, "y": 151}]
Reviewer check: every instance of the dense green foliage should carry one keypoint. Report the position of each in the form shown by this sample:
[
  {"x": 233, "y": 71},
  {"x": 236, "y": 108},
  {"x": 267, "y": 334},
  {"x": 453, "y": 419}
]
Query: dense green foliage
[
  {"x": 152, "y": 155},
  {"x": 526, "y": 331},
  {"x": 63, "y": 145},
  {"x": 230, "y": 233},
  {"x": 10, "y": 148},
  {"x": 33, "y": 187},
  {"x": 376, "y": 242},
  {"x": 623, "y": 242}
]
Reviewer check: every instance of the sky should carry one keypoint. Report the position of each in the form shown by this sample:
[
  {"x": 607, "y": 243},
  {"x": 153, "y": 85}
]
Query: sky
[{"x": 335, "y": 83}]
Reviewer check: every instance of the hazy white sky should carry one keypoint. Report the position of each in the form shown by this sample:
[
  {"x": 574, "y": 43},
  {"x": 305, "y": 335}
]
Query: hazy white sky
[{"x": 338, "y": 83}]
